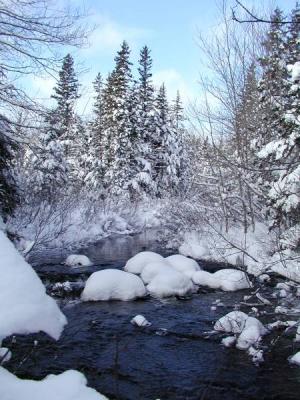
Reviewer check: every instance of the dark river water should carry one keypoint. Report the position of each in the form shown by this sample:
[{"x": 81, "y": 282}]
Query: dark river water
[{"x": 173, "y": 359}]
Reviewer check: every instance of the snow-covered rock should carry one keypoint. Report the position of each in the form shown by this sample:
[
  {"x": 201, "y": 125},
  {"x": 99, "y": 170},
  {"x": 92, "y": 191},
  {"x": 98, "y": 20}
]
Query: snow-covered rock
[
  {"x": 249, "y": 329},
  {"x": 183, "y": 264},
  {"x": 24, "y": 305},
  {"x": 70, "y": 385},
  {"x": 137, "y": 263},
  {"x": 232, "y": 279},
  {"x": 205, "y": 278},
  {"x": 154, "y": 268},
  {"x": 113, "y": 284},
  {"x": 74, "y": 260},
  {"x": 140, "y": 320},
  {"x": 224, "y": 279},
  {"x": 170, "y": 283},
  {"x": 295, "y": 359},
  {"x": 228, "y": 341}
]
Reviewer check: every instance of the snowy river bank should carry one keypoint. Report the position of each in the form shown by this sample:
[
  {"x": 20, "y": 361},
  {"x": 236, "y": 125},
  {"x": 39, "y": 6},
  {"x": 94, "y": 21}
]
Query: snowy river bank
[{"x": 171, "y": 359}]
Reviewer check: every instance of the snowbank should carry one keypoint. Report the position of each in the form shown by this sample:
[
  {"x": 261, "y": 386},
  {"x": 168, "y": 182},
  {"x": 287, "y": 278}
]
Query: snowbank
[
  {"x": 183, "y": 264},
  {"x": 224, "y": 279},
  {"x": 112, "y": 284},
  {"x": 24, "y": 305},
  {"x": 250, "y": 329},
  {"x": 78, "y": 260},
  {"x": 70, "y": 385},
  {"x": 137, "y": 263},
  {"x": 170, "y": 283}
]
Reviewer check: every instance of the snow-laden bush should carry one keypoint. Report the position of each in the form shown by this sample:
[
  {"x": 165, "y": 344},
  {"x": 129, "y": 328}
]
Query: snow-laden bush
[{"x": 113, "y": 284}]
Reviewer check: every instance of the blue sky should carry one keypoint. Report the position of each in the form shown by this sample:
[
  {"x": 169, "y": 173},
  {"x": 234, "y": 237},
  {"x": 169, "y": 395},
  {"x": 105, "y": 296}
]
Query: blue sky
[{"x": 168, "y": 27}]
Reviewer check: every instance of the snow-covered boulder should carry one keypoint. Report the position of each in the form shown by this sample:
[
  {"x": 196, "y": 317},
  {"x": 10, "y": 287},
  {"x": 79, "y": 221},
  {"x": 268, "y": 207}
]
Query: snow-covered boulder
[
  {"x": 113, "y": 284},
  {"x": 154, "y": 268},
  {"x": 224, "y": 279},
  {"x": 137, "y": 263},
  {"x": 75, "y": 260},
  {"x": 233, "y": 322},
  {"x": 140, "y": 320},
  {"x": 170, "y": 283},
  {"x": 24, "y": 305},
  {"x": 250, "y": 329},
  {"x": 232, "y": 279},
  {"x": 205, "y": 278},
  {"x": 183, "y": 264},
  {"x": 70, "y": 385}
]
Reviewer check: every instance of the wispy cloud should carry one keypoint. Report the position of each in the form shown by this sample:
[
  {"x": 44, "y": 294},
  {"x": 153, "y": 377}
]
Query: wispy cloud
[
  {"x": 174, "y": 81},
  {"x": 108, "y": 35}
]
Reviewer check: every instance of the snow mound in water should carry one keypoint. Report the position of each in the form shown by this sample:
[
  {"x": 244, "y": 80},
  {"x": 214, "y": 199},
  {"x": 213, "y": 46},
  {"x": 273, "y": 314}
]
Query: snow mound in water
[
  {"x": 170, "y": 283},
  {"x": 224, "y": 279},
  {"x": 112, "y": 284},
  {"x": 137, "y": 263},
  {"x": 295, "y": 359},
  {"x": 154, "y": 268},
  {"x": 250, "y": 329},
  {"x": 78, "y": 259},
  {"x": 183, "y": 264},
  {"x": 204, "y": 278},
  {"x": 24, "y": 305},
  {"x": 70, "y": 385},
  {"x": 140, "y": 320}
]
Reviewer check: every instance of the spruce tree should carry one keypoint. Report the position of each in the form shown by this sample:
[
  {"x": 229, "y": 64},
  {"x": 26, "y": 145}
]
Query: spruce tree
[
  {"x": 121, "y": 79},
  {"x": 164, "y": 146},
  {"x": 66, "y": 94}
]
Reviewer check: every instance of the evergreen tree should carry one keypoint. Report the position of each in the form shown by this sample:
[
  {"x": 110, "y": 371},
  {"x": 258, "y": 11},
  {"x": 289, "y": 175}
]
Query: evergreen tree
[
  {"x": 48, "y": 167},
  {"x": 119, "y": 173},
  {"x": 95, "y": 141},
  {"x": 164, "y": 146},
  {"x": 143, "y": 126},
  {"x": 177, "y": 117},
  {"x": 66, "y": 94},
  {"x": 278, "y": 142}
]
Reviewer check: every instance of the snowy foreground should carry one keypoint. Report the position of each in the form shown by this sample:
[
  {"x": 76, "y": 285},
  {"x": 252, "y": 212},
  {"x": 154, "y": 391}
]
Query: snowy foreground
[{"x": 26, "y": 308}]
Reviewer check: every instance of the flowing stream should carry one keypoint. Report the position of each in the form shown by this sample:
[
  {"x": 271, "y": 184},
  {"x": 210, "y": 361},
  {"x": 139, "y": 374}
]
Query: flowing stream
[{"x": 173, "y": 359}]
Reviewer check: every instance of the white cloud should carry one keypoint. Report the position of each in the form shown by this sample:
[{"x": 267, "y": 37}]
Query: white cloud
[
  {"x": 174, "y": 81},
  {"x": 108, "y": 35}
]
